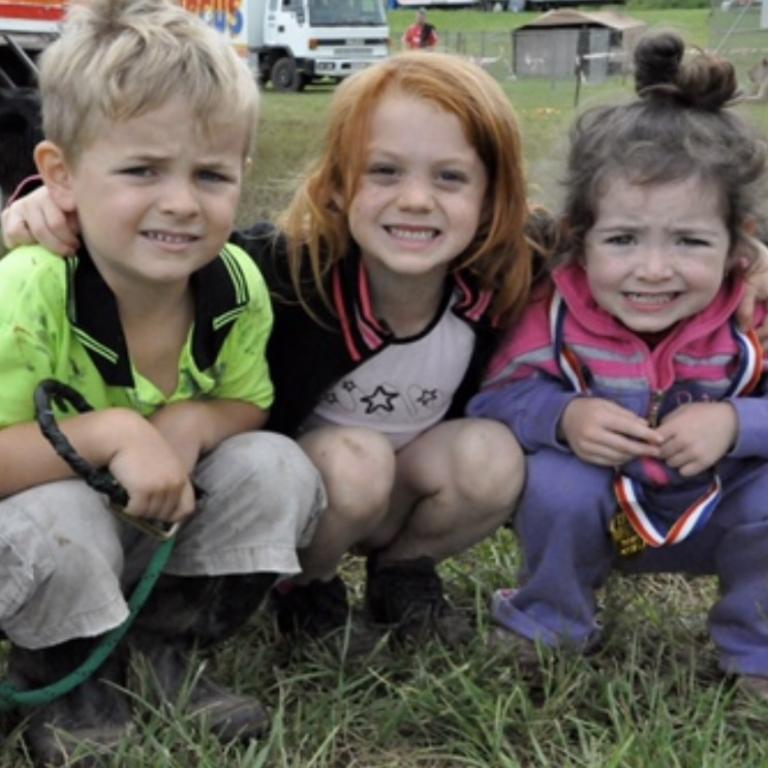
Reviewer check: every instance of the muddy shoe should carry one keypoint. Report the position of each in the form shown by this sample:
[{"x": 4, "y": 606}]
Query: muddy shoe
[
  {"x": 84, "y": 726},
  {"x": 754, "y": 686},
  {"x": 185, "y": 613},
  {"x": 408, "y": 595},
  {"x": 514, "y": 647},
  {"x": 318, "y": 614},
  {"x": 178, "y": 683}
]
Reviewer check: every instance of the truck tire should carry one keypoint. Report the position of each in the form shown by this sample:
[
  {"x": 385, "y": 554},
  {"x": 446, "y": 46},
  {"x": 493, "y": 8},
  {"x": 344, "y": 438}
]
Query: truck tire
[{"x": 286, "y": 76}]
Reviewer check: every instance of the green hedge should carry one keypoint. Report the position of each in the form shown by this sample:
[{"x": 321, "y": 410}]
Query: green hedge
[{"x": 662, "y": 4}]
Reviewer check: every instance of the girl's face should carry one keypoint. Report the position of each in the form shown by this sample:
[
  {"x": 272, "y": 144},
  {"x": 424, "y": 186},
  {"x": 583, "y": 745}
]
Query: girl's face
[
  {"x": 420, "y": 198},
  {"x": 657, "y": 253}
]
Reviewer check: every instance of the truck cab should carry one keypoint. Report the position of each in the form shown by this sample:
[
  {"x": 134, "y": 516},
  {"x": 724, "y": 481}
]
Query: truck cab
[
  {"x": 305, "y": 40},
  {"x": 295, "y": 42}
]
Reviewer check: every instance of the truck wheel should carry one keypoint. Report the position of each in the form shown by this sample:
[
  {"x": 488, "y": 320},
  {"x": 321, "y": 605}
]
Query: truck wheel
[{"x": 286, "y": 77}]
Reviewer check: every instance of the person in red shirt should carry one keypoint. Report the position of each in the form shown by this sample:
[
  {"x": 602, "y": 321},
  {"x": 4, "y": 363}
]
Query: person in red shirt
[{"x": 420, "y": 34}]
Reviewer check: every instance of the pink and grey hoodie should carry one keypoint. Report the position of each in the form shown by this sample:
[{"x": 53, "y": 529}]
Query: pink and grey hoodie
[{"x": 698, "y": 360}]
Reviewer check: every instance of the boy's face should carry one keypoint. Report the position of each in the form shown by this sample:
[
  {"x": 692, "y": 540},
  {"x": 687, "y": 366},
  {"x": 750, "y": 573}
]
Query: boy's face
[
  {"x": 657, "y": 253},
  {"x": 155, "y": 197}
]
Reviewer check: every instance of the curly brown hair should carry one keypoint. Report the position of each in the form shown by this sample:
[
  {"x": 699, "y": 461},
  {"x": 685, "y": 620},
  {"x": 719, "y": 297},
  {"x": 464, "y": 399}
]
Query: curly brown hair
[{"x": 679, "y": 125}]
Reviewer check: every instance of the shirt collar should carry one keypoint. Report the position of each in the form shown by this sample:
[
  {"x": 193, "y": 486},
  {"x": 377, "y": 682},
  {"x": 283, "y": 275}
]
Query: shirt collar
[
  {"x": 363, "y": 332},
  {"x": 220, "y": 294}
]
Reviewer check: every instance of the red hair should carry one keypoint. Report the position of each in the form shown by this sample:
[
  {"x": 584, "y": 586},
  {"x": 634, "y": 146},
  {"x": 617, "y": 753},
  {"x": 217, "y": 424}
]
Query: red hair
[{"x": 499, "y": 256}]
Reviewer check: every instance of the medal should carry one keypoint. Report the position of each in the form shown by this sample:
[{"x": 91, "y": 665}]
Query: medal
[{"x": 625, "y": 537}]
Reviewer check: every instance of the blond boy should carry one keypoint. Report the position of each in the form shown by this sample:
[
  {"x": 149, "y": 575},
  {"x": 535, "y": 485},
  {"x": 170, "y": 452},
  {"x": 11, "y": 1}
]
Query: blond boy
[{"x": 162, "y": 326}]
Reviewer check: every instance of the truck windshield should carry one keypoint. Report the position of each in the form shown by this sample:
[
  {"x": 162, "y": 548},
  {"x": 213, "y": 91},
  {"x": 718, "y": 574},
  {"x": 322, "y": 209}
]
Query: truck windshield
[{"x": 346, "y": 13}]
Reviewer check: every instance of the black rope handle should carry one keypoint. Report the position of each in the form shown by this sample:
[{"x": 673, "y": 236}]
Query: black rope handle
[{"x": 50, "y": 391}]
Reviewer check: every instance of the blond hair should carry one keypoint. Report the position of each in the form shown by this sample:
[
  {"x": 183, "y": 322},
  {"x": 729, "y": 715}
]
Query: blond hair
[
  {"x": 118, "y": 59},
  {"x": 499, "y": 255}
]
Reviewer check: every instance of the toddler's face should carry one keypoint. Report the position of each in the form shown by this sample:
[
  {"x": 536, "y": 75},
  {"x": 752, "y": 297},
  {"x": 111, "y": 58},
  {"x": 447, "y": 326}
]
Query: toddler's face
[
  {"x": 657, "y": 253},
  {"x": 156, "y": 198}
]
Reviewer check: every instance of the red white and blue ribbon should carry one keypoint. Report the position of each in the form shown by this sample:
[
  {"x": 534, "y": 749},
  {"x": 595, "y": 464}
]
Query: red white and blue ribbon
[
  {"x": 629, "y": 492},
  {"x": 629, "y": 495}
]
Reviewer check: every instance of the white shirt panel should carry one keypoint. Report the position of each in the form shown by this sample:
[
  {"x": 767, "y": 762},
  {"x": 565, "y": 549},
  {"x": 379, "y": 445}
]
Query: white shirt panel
[{"x": 406, "y": 388}]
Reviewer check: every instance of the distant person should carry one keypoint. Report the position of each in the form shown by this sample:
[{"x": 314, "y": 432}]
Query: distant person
[{"x": 421, "y": 34}]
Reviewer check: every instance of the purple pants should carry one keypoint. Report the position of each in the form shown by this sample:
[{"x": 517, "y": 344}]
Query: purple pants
[{"x": 562, "y": 524}]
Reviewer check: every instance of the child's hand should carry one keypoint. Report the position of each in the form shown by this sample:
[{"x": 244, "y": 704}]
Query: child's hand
[
  {"x": 603, "y": 433},
  {"x": 756, "y": 288},
  {"x": 154, "y": 476},
  {"x": 696, "y": 436},
  {"x": 35, "y": 218}
]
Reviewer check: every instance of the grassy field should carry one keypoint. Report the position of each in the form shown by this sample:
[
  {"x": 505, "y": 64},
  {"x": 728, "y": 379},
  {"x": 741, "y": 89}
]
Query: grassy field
[
  {"x": 693, "y": 23},
  {"x": 652, "y": 697},
  {"x": 292, "y": 123}
]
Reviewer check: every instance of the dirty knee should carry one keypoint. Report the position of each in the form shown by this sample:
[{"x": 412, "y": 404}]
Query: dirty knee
[{"x": 358, "y": 469}]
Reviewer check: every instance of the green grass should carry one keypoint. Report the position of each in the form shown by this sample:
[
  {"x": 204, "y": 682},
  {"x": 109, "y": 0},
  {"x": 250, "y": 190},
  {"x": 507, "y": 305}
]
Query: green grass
[{"x": 652, "y": 697}]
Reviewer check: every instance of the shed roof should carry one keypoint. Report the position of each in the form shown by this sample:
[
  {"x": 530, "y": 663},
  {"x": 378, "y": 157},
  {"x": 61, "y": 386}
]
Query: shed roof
[{"x": 567, "y": 17}]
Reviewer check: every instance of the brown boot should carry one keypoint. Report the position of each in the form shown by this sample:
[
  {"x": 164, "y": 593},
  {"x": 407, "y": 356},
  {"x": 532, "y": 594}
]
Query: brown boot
[
  {"x": 94, "y": 717},
  {"x": 408, "y": 595},
  {"x": 187, "y": 613},
  {"x": 318, "y": 614},
  {"x": 177, "y": 679},
  {"x": 754, "y": 686}
]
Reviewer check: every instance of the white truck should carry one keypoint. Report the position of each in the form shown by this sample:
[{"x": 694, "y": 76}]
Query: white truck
[
  {"x": 287, "y": 42},
  {"x": 295, "y": 42}
]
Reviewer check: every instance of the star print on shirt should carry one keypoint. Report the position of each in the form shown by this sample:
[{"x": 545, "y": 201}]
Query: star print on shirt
[
  {"x": 427, "y": 396},
  {"x": 349, "y": 385},
  {"x": 379, "y": 399}
]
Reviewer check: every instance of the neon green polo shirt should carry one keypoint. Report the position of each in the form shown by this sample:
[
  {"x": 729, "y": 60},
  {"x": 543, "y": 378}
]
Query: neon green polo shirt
[{"x": 59, "y": 319}]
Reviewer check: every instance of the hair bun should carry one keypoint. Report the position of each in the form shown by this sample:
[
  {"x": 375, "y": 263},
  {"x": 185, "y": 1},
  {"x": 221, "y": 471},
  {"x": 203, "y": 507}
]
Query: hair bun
[
  {"x": 703, "y": 82},
  {"x": 657, "y": 60}
]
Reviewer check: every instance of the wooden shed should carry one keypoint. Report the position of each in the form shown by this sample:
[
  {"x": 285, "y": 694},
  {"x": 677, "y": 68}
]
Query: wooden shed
[{"x": 553, "y": 43}]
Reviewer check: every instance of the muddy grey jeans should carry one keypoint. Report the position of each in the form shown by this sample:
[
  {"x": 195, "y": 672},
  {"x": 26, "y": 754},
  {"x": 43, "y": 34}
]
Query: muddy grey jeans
[{"x": 65, "y": 559}]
